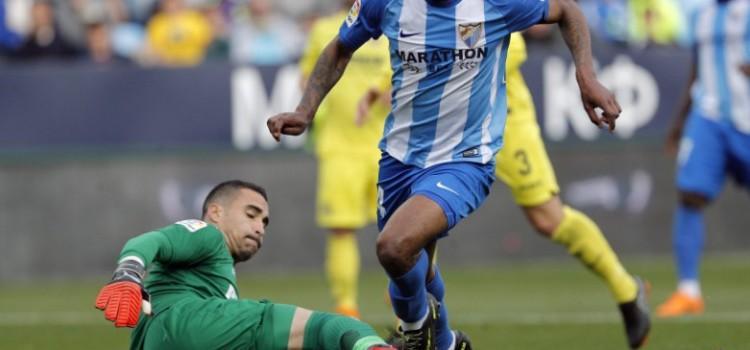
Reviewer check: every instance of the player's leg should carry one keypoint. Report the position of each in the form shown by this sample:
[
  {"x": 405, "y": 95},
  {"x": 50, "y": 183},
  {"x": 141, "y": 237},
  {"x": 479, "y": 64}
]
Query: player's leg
[
  {"x": 292, "y": 327},
  {"x": 584, "y": 241},
  {"x": 434, "y": 200},
  {"x": 342, "y": 208},
  {"x": 446, "y": 338},
  {"x": 400, "y": 250},
  {"x": 687, "y": 242},
  {"x": 702, "y": 161},
  {"x": 451, "y": 339},
  {"x": 342, "y": 270},
  {"x": 212, "y": 323},
  {"x": 523, "y": 164}
]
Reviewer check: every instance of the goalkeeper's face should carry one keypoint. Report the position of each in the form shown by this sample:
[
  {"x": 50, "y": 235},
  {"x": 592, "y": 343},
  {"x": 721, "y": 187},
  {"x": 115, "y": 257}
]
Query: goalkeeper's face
[{"x": 243, "y": 221}]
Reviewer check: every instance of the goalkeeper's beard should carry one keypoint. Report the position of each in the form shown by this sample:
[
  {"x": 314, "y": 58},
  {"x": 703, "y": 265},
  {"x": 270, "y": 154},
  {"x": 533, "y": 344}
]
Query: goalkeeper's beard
[{"x": 243, "y": 251}]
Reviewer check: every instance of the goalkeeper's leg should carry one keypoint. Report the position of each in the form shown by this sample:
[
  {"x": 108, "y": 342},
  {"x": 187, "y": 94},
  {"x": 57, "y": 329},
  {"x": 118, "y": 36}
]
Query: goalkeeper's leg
[{"x": 291, "y": 327}]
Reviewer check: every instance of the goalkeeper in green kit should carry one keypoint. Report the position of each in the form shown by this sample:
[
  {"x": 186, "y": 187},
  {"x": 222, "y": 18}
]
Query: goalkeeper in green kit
[{"x": 191, "y": 280}]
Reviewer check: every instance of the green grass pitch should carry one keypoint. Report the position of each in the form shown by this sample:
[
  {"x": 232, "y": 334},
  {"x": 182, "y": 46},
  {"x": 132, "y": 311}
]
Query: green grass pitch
[{"x": 542, "y": 305}]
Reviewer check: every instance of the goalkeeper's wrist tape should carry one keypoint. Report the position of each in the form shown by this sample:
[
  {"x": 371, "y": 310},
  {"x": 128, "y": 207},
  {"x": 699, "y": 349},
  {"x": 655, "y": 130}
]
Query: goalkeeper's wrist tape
[{"x": 130, "y": 270}]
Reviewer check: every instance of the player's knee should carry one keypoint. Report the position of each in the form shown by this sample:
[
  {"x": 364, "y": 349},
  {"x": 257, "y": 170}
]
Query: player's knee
[
  {"x": 545, "y": 226},
  {"x": 391, "y": 254},
  {"x": 544, "y": 221},
  {"x": 693, "y": 200}
]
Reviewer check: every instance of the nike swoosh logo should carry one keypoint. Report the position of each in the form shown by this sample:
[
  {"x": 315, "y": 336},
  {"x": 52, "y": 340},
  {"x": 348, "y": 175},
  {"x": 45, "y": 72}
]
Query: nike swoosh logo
[
  {"x": 406, "y": 35},
  {"x": 444, "y": 187}
]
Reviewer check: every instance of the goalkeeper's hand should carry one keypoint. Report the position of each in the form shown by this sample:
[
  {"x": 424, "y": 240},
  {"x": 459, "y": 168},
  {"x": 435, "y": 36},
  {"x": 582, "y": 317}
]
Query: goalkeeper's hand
[{"x": 123, "y": 297}]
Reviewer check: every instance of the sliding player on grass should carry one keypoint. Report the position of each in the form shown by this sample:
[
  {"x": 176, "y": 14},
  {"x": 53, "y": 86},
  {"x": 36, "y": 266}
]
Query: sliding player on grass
[{"x": 194, "y": 298}]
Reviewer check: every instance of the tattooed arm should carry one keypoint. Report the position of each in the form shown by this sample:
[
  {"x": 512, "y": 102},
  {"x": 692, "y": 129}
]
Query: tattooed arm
[
  {"x": 576, "y": 34},
  {"x": 328, "y": 70}
]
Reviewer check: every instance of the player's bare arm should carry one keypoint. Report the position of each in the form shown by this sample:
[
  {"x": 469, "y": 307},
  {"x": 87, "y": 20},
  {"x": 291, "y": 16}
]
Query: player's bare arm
[
  {"x": 686, "y": 102},
  {"x": 745, "y": 69},
  {"x": 328, "y": 70},
  {"x": 576, "y": 34}
]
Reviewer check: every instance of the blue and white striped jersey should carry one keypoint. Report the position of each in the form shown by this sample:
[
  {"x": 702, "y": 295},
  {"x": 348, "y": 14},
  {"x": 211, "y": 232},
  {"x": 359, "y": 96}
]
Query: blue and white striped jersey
[
  {"x": 721, "y": 37},
  {"x": 448, "y": 60}
]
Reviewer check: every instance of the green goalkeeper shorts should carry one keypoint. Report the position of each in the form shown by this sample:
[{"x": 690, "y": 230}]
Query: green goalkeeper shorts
[{"x": 216, "y": 324}]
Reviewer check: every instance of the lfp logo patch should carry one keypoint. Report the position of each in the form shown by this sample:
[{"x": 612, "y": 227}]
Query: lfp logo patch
[
  {"x": 353, "y": 13},
  {"x": 192, "y": 225},
  {"x": 470, "y": 33}
]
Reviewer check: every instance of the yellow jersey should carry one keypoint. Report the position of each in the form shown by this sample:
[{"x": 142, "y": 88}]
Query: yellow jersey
[
  {"x": 179, "y": 39},
  {"x": 520, "y": 103},
  {"x": 334, "y": 128}
]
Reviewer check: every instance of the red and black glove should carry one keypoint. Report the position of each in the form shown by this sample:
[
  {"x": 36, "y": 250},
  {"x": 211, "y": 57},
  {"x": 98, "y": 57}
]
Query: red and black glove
[{"x": 123, "y": 297}]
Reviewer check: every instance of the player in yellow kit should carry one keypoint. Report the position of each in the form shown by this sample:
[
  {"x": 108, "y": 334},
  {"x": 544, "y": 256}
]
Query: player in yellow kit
[
  {"x": 524, "y": 166},
  {"x": 347, "y": 155}
]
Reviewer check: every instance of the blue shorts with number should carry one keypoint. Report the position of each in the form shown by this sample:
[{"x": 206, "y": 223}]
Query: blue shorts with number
[
  {"x": 458, "y": 188},
  {"x": 709, "y": 151}
]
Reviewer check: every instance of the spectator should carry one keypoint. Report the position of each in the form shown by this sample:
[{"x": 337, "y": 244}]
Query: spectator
[
  {"x": 98, "y": 19},
  {"x": 654, "y": 22},
  {"x": 44, "y": 39},
  {"x": 260, "y": 36},
  {"x": 217, "y": 13},
  {"x": 178, "y": 35}
]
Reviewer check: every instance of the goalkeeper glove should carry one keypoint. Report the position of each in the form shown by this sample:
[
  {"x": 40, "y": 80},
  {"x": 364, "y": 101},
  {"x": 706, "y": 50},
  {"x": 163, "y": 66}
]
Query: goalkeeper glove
[{"x": 123, "y": 297}]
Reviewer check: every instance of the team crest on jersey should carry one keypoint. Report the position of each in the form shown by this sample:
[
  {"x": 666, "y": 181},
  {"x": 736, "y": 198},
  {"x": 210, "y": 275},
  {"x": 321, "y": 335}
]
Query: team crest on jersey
[
  {"x": 192, "y": 225},
  {"x": 353, "y": 13},
  {"x": 470, "y": 33}
]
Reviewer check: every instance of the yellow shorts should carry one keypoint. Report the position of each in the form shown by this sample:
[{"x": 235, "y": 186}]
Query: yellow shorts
[
  {"x": 347, "y": 190},
  {"x": 523, "y": 163}
]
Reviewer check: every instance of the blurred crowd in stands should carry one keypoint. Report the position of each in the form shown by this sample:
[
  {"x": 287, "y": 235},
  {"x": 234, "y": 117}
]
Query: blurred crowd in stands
[{"x": 179, "y": 33}]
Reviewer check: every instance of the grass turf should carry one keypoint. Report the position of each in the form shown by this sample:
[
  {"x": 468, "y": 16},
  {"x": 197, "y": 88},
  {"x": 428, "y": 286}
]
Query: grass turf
[{"x": 542, "y": 305}]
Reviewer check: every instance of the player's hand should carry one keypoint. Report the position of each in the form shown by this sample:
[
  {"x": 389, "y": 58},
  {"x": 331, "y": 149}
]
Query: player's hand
[
  {"x": 123, "y": 298},
  {"x": 745, "y": 69},
  {"x": 595, "y": 96},
  {"x": 673, "y": 141},
  {"x": 292, "y": 123},
  {"x": 364, "y": 105}
]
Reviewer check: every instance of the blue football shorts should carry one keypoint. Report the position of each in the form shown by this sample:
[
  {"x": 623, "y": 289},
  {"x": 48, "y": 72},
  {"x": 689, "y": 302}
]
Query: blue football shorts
[
  {"x": 458, "y": 188},
  {"x": 709, "y": 152}
]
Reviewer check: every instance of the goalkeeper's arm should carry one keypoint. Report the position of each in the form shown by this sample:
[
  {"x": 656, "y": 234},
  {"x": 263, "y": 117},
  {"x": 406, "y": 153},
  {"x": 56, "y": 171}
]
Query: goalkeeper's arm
[
  {"x": 190, "y": 241},
  {"x": 123, "y": 298}
]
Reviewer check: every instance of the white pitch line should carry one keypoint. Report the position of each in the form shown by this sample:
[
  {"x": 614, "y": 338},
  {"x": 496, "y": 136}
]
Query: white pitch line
[
  {"x": 575, "y": 318},
  {"x": 73, "y": 318}
]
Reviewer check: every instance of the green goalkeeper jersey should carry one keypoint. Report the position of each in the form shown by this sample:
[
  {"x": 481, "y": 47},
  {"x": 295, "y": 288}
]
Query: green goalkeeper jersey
[{"x": 188, "y": 259}]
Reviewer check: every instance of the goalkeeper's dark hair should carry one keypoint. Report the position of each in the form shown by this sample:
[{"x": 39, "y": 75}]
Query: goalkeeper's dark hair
[{"x": 228, "y": 188}]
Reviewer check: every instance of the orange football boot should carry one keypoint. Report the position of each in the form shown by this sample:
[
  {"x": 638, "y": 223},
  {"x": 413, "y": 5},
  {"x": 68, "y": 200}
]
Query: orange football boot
[
  {"x": 680, "y": 304},
  {"x": 348, "y": 311}
]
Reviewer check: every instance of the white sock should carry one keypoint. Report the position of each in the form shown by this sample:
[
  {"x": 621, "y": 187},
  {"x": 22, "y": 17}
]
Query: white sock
[
  {"x": 410, "y": 326},
  {"x": 690, "y": 287}
]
